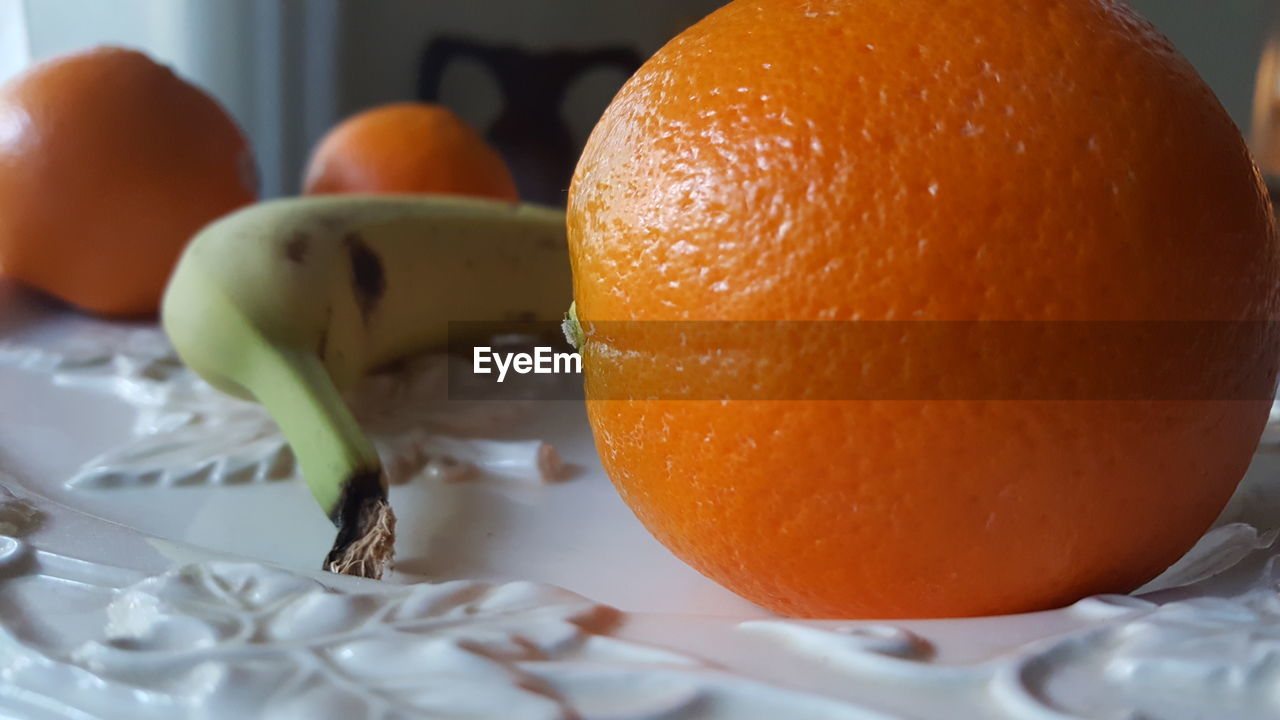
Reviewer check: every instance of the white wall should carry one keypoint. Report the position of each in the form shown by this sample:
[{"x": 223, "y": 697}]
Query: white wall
[
  {"x": 13, "y": 38},
  {"x": 382, "y": 41},
  {"x": 1222, "y": 38},
  {"x": 268, "y": 60}
]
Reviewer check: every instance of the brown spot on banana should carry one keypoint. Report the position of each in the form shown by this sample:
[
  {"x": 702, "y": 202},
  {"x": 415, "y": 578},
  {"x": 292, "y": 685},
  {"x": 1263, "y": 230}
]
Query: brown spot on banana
[
  {"x": 296, "y": 247},
  {"x": 368, "y": 278},
  {"x": 322, "y": 346}
]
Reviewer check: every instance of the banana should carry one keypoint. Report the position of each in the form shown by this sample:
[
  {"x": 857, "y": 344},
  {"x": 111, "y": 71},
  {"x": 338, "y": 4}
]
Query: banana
[{"x": 288, "y": 302}]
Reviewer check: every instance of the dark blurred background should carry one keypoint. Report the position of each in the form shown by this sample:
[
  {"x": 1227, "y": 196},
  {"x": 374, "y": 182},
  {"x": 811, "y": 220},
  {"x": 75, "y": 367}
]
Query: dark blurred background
[{"x": 533, "y": 75}]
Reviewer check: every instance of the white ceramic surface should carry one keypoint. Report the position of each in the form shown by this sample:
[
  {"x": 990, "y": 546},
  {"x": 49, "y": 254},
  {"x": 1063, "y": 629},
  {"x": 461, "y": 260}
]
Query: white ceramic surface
[{"x": 157, "y": 561}]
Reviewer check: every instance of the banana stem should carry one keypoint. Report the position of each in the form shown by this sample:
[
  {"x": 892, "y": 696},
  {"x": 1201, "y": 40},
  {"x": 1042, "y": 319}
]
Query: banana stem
[{"x": 339, "y": 463}]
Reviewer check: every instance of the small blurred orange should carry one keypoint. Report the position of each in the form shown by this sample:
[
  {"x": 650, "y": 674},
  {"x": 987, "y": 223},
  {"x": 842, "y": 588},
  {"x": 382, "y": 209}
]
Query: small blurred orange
[
  {"x": 109, "y": 163},
  {"x": 407, "y": 148}
]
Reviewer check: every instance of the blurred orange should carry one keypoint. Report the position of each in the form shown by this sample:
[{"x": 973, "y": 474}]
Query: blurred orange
[
  {"x": 109, "y": 163},
  {"x": 913, "y": 160},
  {"x": 407, "y": 148}
]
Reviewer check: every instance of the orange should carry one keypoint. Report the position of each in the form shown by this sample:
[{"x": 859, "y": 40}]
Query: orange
[
  {"x": 109, "y": 163},
  {"x": 915, "y": 174},
  {"x": 407, "y": 148}
]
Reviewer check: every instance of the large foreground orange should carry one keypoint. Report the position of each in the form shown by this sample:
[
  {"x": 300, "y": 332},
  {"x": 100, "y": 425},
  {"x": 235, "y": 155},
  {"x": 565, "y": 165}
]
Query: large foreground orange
[{"x": 946, "y": 162}]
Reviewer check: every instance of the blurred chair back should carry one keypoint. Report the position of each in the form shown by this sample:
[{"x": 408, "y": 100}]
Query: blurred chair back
[{"x": 530, "y": 130}]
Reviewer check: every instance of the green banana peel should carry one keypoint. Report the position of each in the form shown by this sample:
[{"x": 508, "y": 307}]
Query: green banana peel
[{"x": 287, "y": 302}]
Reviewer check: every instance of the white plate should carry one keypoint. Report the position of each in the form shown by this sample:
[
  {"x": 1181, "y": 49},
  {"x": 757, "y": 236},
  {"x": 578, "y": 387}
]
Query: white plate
[{"x": 139, "y": 581}]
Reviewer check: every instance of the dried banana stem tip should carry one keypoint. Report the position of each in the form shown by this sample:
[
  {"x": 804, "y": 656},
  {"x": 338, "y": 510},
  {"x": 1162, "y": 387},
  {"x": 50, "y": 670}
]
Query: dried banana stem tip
[{"x": 364, "y": 547}]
